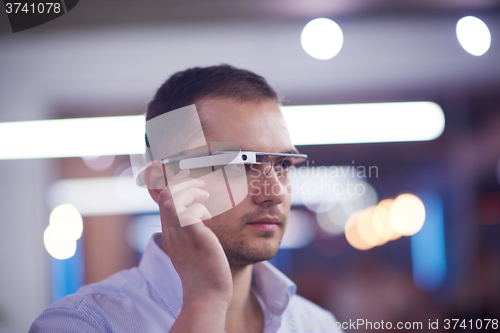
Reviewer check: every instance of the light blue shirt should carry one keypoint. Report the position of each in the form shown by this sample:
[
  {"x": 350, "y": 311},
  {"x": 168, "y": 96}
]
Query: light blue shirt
[{"x": 148, "y": 299}]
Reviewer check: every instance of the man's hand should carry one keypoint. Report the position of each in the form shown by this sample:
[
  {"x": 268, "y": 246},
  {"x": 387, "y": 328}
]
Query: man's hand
[{"x": 196, "y": 254}]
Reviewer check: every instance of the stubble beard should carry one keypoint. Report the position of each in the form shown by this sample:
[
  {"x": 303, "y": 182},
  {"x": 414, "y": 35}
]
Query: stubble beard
[{"x": 240, "y": 252}]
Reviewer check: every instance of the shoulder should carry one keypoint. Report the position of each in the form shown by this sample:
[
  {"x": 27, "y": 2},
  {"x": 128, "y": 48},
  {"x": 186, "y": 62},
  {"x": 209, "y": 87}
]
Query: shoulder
[
  {"x": 73, "y": 313},
  {"x": 93, "y": 307},
  {"x": 121, "y": 284},
  {"x": 302, "y": 314},
  {"x": 123, "y": 288}
]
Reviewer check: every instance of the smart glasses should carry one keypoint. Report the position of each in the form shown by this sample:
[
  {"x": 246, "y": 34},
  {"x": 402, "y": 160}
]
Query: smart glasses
[{"x": 235, "y": 159}]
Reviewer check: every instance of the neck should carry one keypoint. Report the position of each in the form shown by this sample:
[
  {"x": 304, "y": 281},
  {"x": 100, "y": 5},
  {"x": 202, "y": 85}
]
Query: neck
[
  {"x": 244, "y": 311},
  {"x": 242, "y": 282}
]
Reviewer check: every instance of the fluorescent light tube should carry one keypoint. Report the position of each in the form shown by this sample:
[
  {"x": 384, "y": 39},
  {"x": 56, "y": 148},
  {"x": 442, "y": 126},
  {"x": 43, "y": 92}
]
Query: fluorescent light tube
[
  {"x": 72, "y": 137},
  {"x": 364, "y": 123},
  {"x": 308, "y": 125}
]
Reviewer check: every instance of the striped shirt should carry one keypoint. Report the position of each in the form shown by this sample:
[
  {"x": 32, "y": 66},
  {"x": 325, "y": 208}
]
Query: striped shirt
[{"x": 148, "y": 299}]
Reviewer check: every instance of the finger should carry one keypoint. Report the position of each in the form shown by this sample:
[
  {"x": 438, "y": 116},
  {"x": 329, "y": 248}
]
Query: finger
[
  {"x": 170, "y": 190},
  {"x": 197, "y": 212},
  {"x": 180, "y": 177},
  {"x": 165, "y": 194},
  {"x": 172, "y": 206},
  {"x": 182, "y": 174},
  {"x": 187, "y": 196},
  {"x": 177, "y": 187}
]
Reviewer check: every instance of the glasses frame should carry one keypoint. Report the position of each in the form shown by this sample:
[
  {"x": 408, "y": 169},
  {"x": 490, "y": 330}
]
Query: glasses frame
[{"x": 218, "y": 158}]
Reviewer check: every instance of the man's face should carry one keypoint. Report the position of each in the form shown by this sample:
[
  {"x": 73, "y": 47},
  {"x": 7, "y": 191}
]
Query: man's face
[{"x": 253, "y": 127}]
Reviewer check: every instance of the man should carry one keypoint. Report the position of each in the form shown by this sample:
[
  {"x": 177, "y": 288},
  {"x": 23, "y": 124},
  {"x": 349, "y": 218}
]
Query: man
[{"x": 206, "y": 272}]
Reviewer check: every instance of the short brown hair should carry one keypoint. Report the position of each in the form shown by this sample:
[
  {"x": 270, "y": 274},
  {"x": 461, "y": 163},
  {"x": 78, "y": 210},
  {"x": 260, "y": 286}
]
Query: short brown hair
[{"x": 191, "y": 85}]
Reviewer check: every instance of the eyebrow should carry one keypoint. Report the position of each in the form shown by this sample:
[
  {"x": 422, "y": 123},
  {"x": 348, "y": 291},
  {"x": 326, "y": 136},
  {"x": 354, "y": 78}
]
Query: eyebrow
[{"x": 292, "y": 150}]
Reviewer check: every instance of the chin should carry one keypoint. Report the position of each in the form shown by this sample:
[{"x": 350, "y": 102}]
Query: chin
[{"x": 251, "y": 255}]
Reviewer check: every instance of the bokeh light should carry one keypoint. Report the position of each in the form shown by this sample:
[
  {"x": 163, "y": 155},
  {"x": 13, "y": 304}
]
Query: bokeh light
[
  {"x": 314, "y": 188},
  {"x": 56, "y": 247},
  {"x": 407, "y": 214},
  {"x": 365, "y": 227},
  {"x": 334, "y": 220},
  {"x": 352, "y": 235},
  {"x": 388, "y": 220},
  {"x": 65, "y": 228},
  {"x": 382, "y": 223},
  {"x": 297, "y": 233},
  {"x": 322, "y": 38},
  {"x": 66, "y": 222},
  {"x": 474, "y": 35}
]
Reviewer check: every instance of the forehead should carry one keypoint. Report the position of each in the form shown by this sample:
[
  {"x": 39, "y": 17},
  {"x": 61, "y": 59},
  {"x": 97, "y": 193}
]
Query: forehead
[{"x": 251, "y": 125}]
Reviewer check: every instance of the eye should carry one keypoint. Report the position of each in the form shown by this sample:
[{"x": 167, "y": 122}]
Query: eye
[
  {"x": 283, "y": 165},
  {"x": 286, "y": 164}
]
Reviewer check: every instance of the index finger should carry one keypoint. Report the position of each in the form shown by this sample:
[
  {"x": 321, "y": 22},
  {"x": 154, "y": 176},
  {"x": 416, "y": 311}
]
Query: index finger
[{"x": 182, "y": 181}]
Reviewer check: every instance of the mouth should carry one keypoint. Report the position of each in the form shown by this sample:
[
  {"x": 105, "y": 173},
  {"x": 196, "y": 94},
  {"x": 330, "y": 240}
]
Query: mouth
[{"x": 267, "y": 223}]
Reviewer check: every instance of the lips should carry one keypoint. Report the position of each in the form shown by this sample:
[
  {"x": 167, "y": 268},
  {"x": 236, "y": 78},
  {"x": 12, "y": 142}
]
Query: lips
[
  {"x": 267, "y": 223},
  {"x": 267, "y": 220}
]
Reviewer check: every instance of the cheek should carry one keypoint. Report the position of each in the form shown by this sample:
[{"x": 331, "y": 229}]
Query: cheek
[
  {"x": 221, "y": 197},
  {"x": 223, "y": 227},
  {"x": 229, "y": 219},
  {"x": 287, "y": 186}
]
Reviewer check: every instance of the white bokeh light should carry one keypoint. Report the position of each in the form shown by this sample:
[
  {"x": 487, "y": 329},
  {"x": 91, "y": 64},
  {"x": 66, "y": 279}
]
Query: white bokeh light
[
  {"x": 297, "y": 233},
  {"x": 473, "y": 35},
  {"x": 407, "y": 214},
  {"x": 322, "y": 38},
  {"x": 334, "y": 220},
  {"x": 56, "y": 247},
  {"x": 66, "y": 222}
]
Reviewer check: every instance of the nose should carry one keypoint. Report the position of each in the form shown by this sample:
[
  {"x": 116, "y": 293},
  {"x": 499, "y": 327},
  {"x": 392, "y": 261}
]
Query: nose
[{"x": 268, "y": 188}]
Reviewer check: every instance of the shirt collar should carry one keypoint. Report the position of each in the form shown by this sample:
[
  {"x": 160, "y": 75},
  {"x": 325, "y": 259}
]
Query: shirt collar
[{"x": 273, "y": 286}]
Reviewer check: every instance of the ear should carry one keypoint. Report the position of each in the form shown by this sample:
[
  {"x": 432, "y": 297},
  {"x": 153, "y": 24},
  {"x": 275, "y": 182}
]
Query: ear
[{"x": 154, "y": 177}]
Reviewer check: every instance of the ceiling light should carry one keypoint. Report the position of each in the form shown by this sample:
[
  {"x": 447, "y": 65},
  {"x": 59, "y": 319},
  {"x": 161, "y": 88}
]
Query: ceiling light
[
  {"x": 308, "y": 125},
  {"x": 322, "y": 38},
  {"x": 364, "y": 123},
  {"x": 474, "y": 35},
  {"x": 72, "y": 137}
]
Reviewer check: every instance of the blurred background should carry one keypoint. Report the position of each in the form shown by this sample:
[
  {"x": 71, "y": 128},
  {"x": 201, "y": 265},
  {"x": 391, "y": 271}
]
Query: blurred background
[{"x": 346, "y": 252}]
